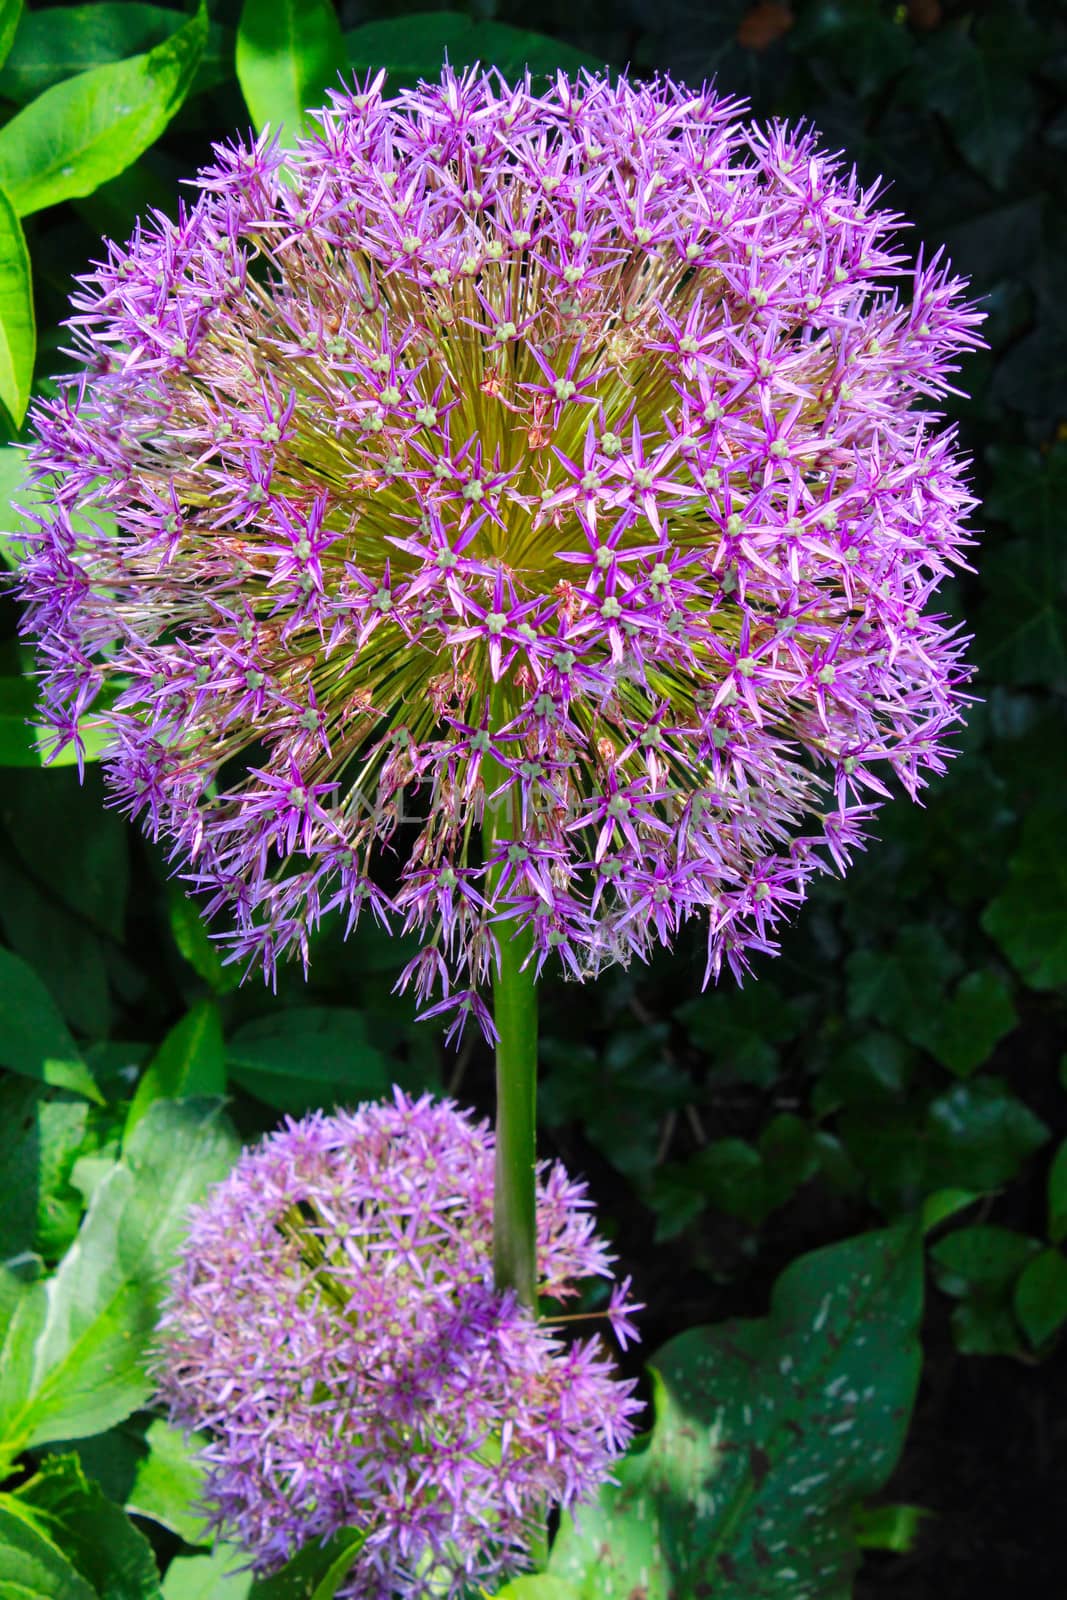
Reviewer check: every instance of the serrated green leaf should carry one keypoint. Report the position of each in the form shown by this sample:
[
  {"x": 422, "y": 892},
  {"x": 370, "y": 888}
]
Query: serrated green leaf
[
  {"x": 97, "y": 1537},
  {"x": 168, "y": 1484},
  {"x": 87, "y": 129},
  {"x": 18, "y": 329},
  {"x": 307, "y": 1056},
  {"x": 190, "y": 1062},
  {"x": 289, "y": 53},
  {"x": 766, "y": 1435},
  {"x": 31, "y": 1566},
  {"x": 34, "y": 1040},
  {"x": 1029, "y": 920},
  {"x": 82, "y": 1365},
  {"x": 1041, "y": 1296}
]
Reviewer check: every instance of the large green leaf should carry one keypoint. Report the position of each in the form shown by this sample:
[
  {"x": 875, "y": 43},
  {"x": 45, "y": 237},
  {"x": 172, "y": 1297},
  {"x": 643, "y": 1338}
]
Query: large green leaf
[
  {"x": 33, "y": 1036},
  {"x": 222, "y": 1575},
  {"x": 190, "y": 1061},
  {"x": 86, "y": 867},
  {"x": 18, "y": 331},
  {"x": 80, "y": 1357},
  {"x": 36, "y": 927},
  {"x": 168, "y": 1484},
  {"x": 415, "y": 46},
  {"x": 96, "y": 1536},
  {"x": 1029, "y": 920},
  {"x": 31, "y": 1566},
  {"x": 305, "y": 1057},
  {"x": 315, "y": 1572},
  {"x": 62, "y": 41},
  {"x": 10, "y": 18},
  {"x": 988, "y": 104},
  {"x": 196, "y": 944},
  {"x": 87, "y": 129},
  {"x": 766, "y": 1435},
  {"x": 41, "y": 1131},
  {"x": 289, "y": 52}
]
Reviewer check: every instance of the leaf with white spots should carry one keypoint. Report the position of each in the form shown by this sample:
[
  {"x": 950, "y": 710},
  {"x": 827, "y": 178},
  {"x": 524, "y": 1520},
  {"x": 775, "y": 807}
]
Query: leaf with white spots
[{"x": 767, "y": 1435}]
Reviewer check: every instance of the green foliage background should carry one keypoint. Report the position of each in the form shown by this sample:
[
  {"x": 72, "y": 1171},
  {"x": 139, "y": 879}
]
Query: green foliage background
[{"x": 893, "y": 1086}]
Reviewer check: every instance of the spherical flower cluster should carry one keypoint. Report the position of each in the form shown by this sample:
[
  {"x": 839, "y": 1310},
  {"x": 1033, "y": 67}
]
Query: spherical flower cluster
[
  {"x": 508, "y": 507},
  {"x": 334, "y": 1327}
]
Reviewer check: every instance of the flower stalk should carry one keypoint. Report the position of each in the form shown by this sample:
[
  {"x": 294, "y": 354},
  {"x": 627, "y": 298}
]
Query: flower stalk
[{"x": 515, "y": 1018}]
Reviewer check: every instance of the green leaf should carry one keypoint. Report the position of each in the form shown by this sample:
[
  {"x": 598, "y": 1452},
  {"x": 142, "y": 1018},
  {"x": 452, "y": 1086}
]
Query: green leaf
[
  {"x": 983, "y": 1259},
  {"x": 10, "y": 18},
  {"x": 24, "y": 745},
  {"x": 191, "y": 1061},
  {"x": 766, "y": 1435},
  {"x": 988, "y": 103},
  {"x": 36, "y": 927},
  {"x": 978, "y": 1267},
  {"x": 1029, "y": 920},
  {"x": 538, "y": 1586},
  {"x": 289, "y": 53},
  {"x": 305, "y": 1057},
  {"x": 1057, "y": 1196},
  {"x": 315, "y": 1572},
  {"x": 87, "y": 129},
  {"x": 979, "y": 1015},
  {"x": 1029, "y": 488},
  {"x": 893, "y": 1528},
  {"x": 31, "y": 1567},
  {"x": 980, "y": 1134},
  {"x": 18, "y": 330},
  {"x": 196, "y": 945},
  {"x": 41, "y": 1131},
  {"x": 168, "y": 1484},
  {"x": 81, "y": 1363},
  {"x": 33, "y": 1036},
  {"x": 1041, "y": 1297},
  {"x": 415, "y": 46},
  {"x": 65, "y": 40},
  {"x": 86, "y": 866},
  {"x": 740, "y": 1029},
  {"x": 94, "y": 1534},
  {"x": 218, "y": 1576},
  {"x": 905, "y": 988}
]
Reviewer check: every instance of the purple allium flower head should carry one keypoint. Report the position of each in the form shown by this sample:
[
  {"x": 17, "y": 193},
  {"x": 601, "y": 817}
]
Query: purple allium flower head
[
  {"x": 572, "y": 457},
  {"x": 334, "y": 1327}
]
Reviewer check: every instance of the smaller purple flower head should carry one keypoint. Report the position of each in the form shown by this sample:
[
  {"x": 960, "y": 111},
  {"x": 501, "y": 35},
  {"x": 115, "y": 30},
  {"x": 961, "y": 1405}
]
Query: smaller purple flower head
[{"x": 334, "y": 1328}]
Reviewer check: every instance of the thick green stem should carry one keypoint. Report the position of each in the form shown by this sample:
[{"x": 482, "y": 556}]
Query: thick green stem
[{"x": 515, "y": 1015}]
